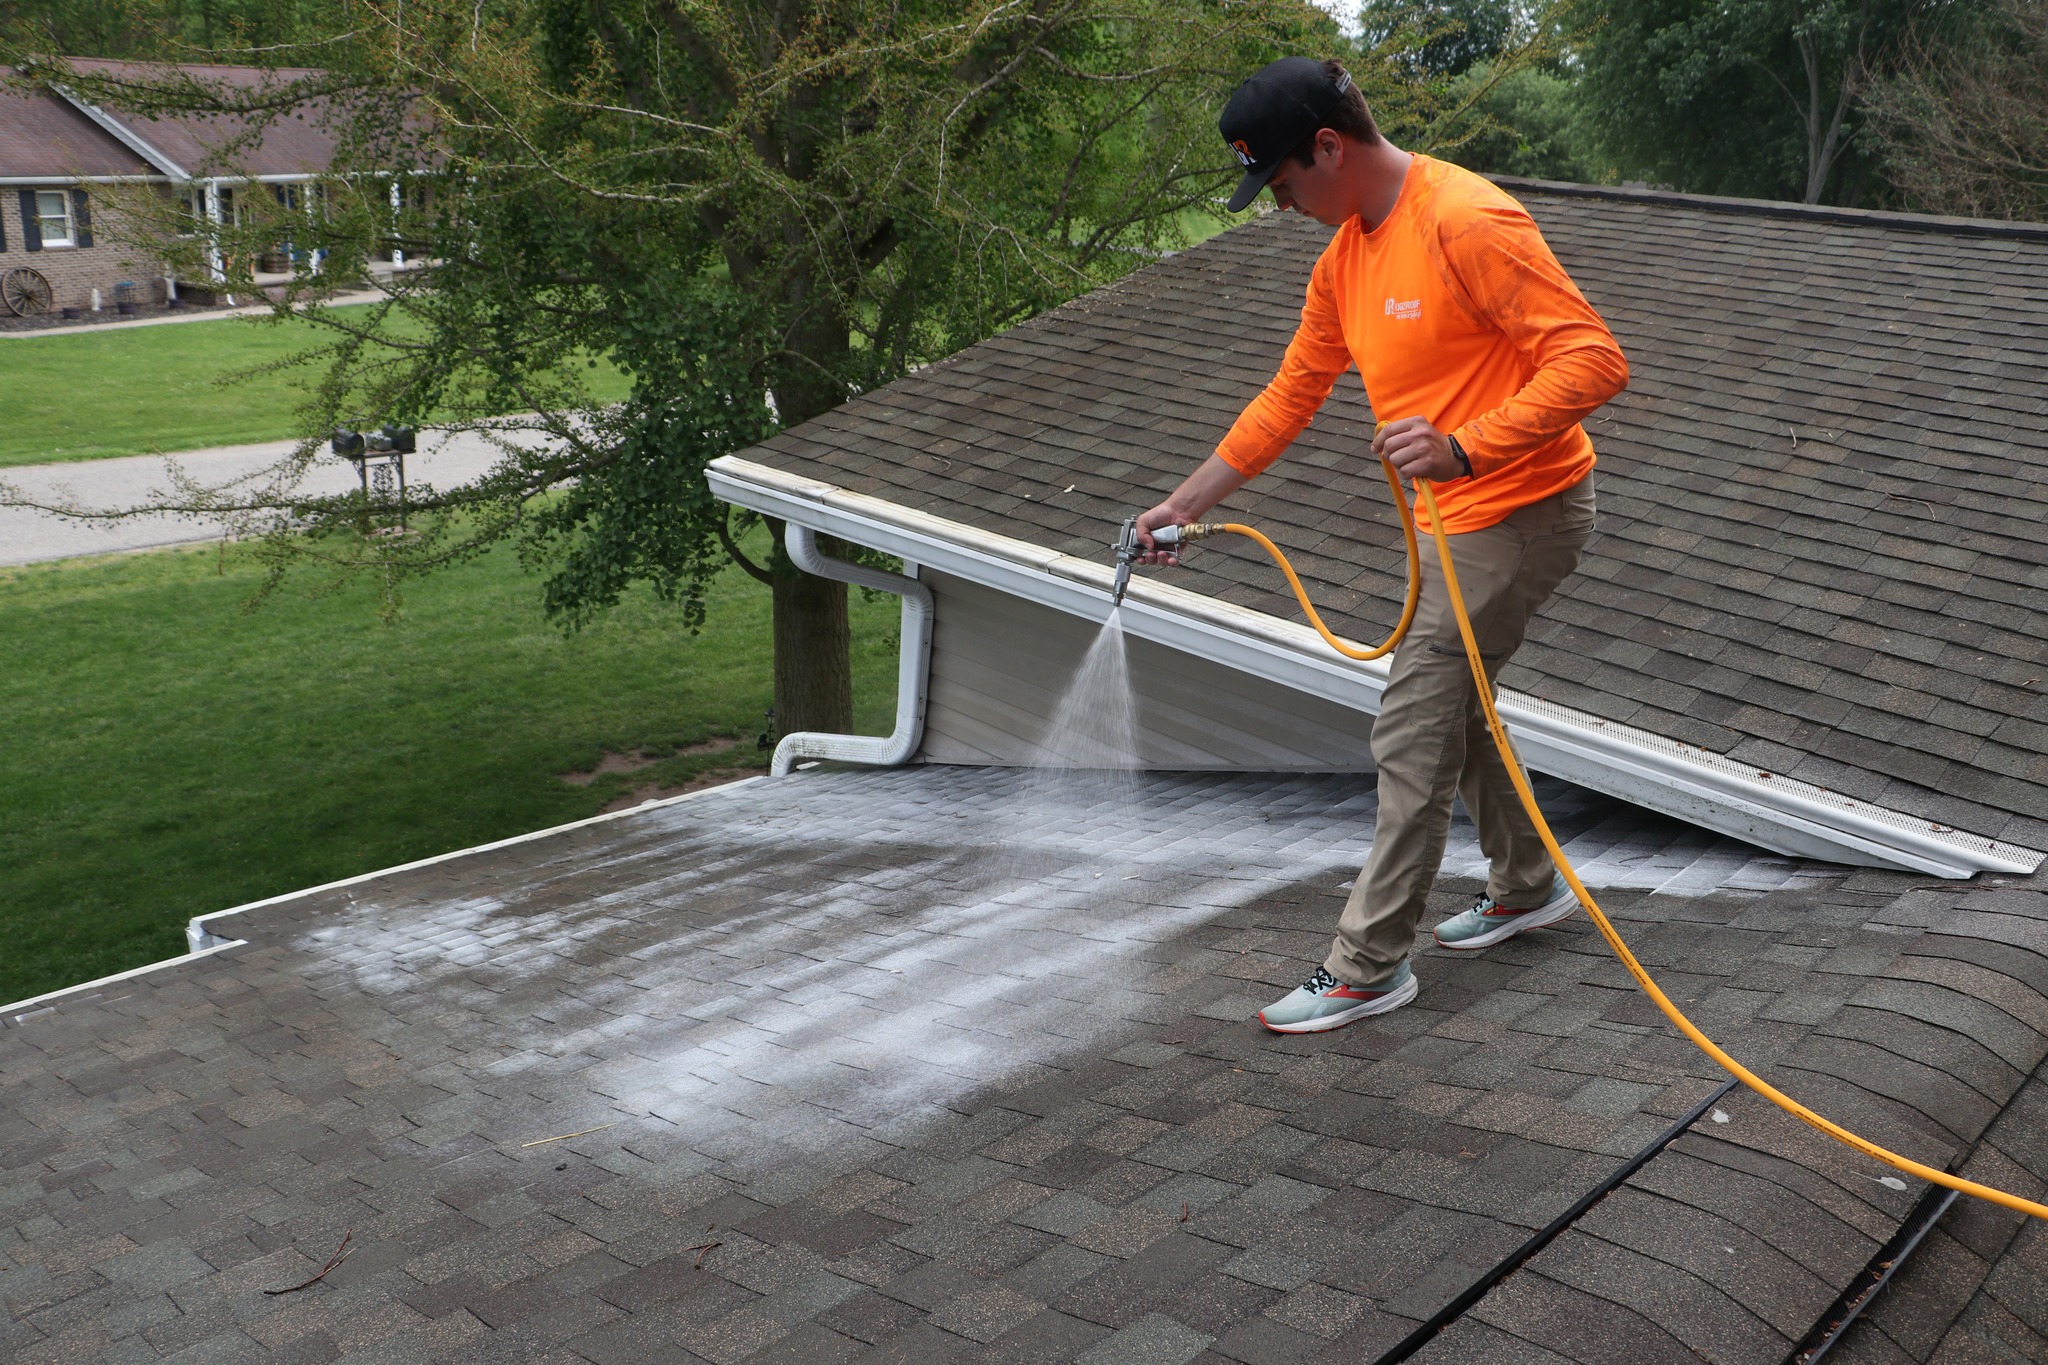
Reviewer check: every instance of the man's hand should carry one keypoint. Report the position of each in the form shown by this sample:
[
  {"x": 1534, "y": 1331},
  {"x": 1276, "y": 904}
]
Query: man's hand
[
  {"x": 1417, "y": 450},
  {"x": 1148, "y": 522},
  {"x": 1212, "y": 482}
]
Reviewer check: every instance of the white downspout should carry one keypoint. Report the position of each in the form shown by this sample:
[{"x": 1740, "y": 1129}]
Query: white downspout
[{"x": 912, "y": 673}]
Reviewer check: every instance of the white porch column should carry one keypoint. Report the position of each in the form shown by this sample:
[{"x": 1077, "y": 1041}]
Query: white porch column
[
  {"x": 211, "y": 193},
  {"x": 397, "y": 206}
]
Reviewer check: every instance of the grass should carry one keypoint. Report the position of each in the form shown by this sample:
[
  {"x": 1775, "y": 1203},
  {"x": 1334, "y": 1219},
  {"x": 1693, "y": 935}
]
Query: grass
[
  {"x": 95, "y": 394},
  {"x": 165, "y": 752},
  {"x": 138, "y": 390}
]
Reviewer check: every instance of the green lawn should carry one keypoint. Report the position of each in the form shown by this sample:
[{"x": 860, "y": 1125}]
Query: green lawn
[
  {"x": 165, "y": 752},
  {"x": 90, "y": 394}
]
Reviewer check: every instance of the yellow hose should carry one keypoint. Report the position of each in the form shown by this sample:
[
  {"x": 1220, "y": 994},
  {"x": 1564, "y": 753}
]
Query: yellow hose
[
  {"x": 1600, "y": 920},
  {"x": 1315, "y": 619}
]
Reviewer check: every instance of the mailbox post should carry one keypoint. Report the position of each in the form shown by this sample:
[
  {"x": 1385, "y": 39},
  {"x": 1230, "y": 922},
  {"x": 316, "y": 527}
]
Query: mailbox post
[{"x": 379, "y": 458}]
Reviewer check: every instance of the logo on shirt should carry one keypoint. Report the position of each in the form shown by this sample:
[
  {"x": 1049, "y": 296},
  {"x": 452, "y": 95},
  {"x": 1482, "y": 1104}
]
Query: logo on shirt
[{"x": 1406, "y": 309}]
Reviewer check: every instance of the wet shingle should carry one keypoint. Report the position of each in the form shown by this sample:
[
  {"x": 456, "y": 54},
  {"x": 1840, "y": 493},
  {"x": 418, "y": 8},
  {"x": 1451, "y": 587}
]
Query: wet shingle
[{"x": 865, "y": 1061}]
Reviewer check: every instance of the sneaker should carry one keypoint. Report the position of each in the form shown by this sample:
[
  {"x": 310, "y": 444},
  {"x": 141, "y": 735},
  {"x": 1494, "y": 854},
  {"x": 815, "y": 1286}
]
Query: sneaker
[
  {"x": 1323, "y": 1002},
  {"x": 1488, "y": 921}
]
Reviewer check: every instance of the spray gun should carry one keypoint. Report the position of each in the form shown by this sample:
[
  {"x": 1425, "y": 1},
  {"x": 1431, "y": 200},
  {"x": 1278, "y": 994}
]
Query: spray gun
[{"x": 1164, "y": 539}]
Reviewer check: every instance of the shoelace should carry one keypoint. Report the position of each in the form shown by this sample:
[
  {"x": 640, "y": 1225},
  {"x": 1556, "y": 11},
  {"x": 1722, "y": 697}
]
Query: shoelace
[{"x": 1320, "y": 982}]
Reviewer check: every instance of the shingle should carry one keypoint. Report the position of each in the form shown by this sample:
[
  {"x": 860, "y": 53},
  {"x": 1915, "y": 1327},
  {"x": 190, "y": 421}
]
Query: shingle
[
  {"x": 1716, "y": 526},
  {"x": 797, "y": 1202}
]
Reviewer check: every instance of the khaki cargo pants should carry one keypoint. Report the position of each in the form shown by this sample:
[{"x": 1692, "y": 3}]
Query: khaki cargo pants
[{"x": 1431, "y": 743}]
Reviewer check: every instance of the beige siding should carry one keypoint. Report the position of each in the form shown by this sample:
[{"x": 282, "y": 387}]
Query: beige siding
[{"x": 1000, "y": 665}]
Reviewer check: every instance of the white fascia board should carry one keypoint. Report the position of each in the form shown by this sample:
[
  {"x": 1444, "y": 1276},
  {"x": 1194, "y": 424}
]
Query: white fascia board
[
  {"x": 125, "y": 135},
  {"x": 1692, "y": 784},
  {"x": 21, "y": 1011},
  {"x": 62, "y": 181}
]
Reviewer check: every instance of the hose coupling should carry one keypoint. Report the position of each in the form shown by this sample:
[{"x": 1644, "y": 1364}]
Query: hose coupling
[{"x": 1169, "y": 537}]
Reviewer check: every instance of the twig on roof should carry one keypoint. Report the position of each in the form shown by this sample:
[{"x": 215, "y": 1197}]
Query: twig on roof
[
  {"x": 542, "y": 1142},
  {"x": 1922, "y": 501},
  {"x": 341, "y": 1253}
]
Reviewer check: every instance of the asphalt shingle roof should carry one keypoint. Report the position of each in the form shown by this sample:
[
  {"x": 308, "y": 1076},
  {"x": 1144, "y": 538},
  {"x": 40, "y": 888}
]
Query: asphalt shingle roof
[
  {"x": 1820, "y": 548},
  {"x": 298, "y": 143},
  {"x": 946, "y": 1064},
  {"x": 42, "y": 135}
]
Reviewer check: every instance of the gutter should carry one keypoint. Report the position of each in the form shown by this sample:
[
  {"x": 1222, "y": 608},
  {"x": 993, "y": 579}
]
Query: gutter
[
  {"x": 1692, "y": 784},
  {"x": 913, "y": 672},
  {"x": 85, "y": 180}
]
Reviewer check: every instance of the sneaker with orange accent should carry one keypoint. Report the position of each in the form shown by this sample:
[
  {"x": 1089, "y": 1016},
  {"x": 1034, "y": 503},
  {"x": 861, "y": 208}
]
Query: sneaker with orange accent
[
  {"x": 1489, "y": 922},
  {"x": 1323, "y": 1002}
]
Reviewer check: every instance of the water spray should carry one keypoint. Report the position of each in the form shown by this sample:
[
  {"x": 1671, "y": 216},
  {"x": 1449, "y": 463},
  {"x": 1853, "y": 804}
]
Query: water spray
[{"x": 1129, "y": 549}]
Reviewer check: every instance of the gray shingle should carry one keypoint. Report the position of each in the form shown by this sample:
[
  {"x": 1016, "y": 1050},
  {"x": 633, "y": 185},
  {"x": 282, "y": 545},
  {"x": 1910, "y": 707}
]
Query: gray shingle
[{"x": 1775, "y": 462}]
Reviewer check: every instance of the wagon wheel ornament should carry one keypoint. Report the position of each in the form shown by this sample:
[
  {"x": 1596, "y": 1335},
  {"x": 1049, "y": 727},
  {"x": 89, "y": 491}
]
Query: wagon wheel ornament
[{"x": 25, "y": 291}]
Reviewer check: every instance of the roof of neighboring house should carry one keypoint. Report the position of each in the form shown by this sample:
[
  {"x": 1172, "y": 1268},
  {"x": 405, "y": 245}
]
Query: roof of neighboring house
[
  {"x": 42, "y": 134},
  {"x": 1820, "y": 551},
  {"x": 945, "y": 1059},
  {"x": 40, "y": 130},
  {"x": 294, "y": 144}
]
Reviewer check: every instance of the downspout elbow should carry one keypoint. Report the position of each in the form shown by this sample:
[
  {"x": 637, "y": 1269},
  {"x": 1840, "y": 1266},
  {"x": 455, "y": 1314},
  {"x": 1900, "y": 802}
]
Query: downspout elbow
[{"x": 913, "y": 669}]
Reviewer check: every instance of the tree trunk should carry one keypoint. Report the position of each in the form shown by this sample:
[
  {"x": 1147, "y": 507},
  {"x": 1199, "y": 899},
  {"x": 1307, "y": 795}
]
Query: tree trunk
[
  {"x": 813, "y": 645},
  {"x": 813, "y": 654}
]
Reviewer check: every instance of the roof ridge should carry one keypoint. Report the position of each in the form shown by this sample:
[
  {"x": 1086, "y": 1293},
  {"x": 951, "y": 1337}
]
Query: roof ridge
[{"x": 1783, "y": 208}]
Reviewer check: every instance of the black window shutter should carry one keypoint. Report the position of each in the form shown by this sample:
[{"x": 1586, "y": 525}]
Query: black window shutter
[
  {"x": 81, "y": 219},
  {"x": 3, "y": 233},
  {"x": 31, "y": 230}
]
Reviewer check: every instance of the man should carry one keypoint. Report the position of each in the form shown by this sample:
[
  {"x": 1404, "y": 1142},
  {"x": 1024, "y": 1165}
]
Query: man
[{"x": 1480, "y": 358}]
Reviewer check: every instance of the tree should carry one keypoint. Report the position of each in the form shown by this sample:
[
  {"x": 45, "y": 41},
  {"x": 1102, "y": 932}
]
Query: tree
[
  {"x": 1750, "y": 97},
  {"x": 127, "y": 28},
  {"x": 1438, "y": 37},
  {"x": 1964, "y": 122},
  {"x": 1492, "y": 80},
  {"x": 1534, "y": 124},
  {"x": 755, "y": 209}
]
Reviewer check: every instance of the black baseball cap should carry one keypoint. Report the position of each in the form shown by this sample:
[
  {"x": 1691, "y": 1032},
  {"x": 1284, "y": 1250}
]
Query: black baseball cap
[{"x": 1270, "y": 115}]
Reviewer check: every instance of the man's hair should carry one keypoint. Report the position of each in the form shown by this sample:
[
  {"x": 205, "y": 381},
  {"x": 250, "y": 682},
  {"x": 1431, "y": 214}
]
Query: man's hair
[{"x": 1351, "y": 117}]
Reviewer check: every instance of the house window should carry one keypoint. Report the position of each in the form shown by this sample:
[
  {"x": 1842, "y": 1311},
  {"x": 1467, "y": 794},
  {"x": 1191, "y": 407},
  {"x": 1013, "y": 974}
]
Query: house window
[{"x": 53, "y": 218}]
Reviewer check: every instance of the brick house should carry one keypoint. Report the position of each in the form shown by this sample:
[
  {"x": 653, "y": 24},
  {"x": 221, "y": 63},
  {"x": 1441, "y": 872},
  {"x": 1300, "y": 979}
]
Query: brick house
[{"x": 60, "y": 155}]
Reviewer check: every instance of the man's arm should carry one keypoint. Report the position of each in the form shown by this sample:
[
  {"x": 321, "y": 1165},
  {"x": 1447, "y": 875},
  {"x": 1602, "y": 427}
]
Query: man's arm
[
  {"x": 1269, "y": 423},
  {"x": 1509, "y": 273},
  {"x": 1212, "y": 482}
]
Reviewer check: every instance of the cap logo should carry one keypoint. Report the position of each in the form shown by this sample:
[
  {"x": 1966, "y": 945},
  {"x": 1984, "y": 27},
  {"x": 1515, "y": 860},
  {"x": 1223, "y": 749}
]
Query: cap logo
[{"x": 1244, "y": 153}]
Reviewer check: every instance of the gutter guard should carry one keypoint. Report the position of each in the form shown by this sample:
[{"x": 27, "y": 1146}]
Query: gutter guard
[{"x": 1692, "y": 784}]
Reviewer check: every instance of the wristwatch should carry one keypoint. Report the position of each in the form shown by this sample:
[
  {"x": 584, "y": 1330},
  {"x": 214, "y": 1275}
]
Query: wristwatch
[{"x": 1463, "y": 458}]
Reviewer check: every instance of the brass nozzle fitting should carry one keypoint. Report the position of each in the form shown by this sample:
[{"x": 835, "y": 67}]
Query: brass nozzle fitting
[{"x": 1173, "y": 537}]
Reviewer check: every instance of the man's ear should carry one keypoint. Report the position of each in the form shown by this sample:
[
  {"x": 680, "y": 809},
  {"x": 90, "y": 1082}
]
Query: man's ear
[{"x": 1330, "y": 147}]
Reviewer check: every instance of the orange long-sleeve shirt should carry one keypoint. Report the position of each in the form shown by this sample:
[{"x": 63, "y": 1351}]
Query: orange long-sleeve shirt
[{"x": 1453, "y": 309}]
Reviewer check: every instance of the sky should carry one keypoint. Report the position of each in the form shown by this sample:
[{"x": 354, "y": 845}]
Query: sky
[{"x": 1345, "y": 12}]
